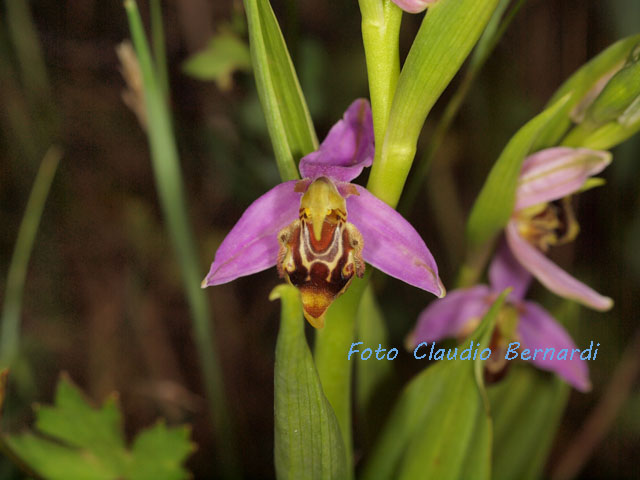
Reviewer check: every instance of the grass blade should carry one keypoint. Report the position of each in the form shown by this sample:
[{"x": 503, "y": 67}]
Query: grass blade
[
  {"x": 9, "y": 342},
  {"x": 168, "y": 178}
]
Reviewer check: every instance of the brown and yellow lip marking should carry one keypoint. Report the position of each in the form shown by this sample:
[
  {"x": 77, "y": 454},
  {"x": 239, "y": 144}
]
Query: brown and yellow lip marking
[
  {"x": 548, "y": 224},
  {"x": 320, "y": 252}
]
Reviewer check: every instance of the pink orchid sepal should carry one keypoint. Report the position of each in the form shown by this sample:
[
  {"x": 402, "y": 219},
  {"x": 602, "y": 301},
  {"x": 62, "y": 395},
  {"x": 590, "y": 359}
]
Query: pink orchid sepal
[{"x": 320, "y": 231}]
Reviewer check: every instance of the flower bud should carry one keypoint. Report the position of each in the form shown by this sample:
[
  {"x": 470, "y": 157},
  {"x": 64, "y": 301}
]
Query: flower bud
[{"x": 414, "y": 6}]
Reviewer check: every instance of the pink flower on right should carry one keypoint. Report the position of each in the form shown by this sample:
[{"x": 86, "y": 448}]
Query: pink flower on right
[{"x": 543, "y": 217}]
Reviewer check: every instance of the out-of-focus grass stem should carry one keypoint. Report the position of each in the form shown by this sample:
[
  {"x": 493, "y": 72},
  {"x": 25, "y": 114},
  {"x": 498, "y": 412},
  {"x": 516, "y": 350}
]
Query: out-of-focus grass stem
[
  {"x": 159, "y": 49},
  {"x": 168, "y": 178},
  {"x": 10, "y": 338},
  {"x": 27, "y": 47}
]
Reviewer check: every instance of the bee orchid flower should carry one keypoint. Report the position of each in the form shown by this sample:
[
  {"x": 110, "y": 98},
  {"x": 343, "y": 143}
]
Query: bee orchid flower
[
  {"x": 519, "y": 320},
  {"x": 320, "y": 231},
  {"x": 543, "y": 216}
]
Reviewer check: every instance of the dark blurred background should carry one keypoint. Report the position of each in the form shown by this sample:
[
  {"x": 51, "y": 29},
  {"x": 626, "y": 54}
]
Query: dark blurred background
[{"x": 104, "y": 299}]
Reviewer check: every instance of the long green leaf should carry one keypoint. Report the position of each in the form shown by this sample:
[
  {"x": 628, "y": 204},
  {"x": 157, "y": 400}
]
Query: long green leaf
[
  {"x": 24, "y": 244},
  {"x": 308, "y": 443},
  {"x": 448, "y": 32},
  {"x": 496, "y": 200},
  {"x": 168, "y": 179},
  {"x": 440, "y": 427},
  {"x": 288, "y": 120}
]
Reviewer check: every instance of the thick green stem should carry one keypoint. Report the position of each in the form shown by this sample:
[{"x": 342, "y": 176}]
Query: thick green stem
[
  {"x": 380, "y": 33},
  {"x": 380, "y": 30}
]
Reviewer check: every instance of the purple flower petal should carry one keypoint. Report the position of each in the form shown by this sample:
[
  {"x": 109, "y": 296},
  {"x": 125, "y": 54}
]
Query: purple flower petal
[
  {"x": 252, "y": 244},
  {"x": 550, "y": 275},
  {"x": 557, "y": 172},
  {"x": 505, "y": 271},
  {"x": 413, "y": 6},
  {"x": 347, "y": 149},
  {"x": 538, "y": 330},
  {"x": 447, "y": 317},
  {"x": 391, "y": 244}
]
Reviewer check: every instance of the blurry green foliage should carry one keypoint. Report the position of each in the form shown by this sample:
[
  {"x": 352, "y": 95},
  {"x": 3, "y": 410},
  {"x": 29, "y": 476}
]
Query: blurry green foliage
[
  {"x": 440, "y": 425},
  {"x": 225, "y": 54},
  {"x": 78, "y": 441}
]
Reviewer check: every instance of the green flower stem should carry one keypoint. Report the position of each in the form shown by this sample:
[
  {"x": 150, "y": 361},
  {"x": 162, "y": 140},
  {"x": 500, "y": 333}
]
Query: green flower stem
[
  {"x": 380, "y": 30},
  {"x": 380, "y": 34},
  {"x": 448, "y": 32},
  {"x": 331, "y": 348},
  {"x": 168, "y": 178},
  {"x": 9, "y": 342},
  {"x": 446, "y": 36}
]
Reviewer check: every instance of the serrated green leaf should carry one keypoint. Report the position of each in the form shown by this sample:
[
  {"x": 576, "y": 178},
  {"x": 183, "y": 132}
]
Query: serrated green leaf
[
  {"x": 584, "y": 85},
  {"x": 158, "y": 452},
  {"x": 288, "y": 120},
  {"x": 522, "y": 442},
  {"x": 86, "y": 443},
  {"x": 494, "y": 205},
  {"x": 53, "y": 461},
  {"x": 77, "y": 423},
  {"x": 448, "y": 32},
  {"x": 308, "y": 442},
  {"x": 440, "y": 427},
  {"x": 225, "y": 54}
]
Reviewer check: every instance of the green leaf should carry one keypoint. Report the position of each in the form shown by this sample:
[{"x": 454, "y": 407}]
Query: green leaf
[
  {"x": 85, "y": 443},
  {"x": 159, "y": 451},
  {"x": 288, "y": 120},
  {"x": 224, "y": 55},
  {"x": 522, "y": 442},
  {"x": 584, "y": 85},
  {"x": 496, "y": 200},
  {"x": 448, "y": 32},
  {"x": 308, "y": 442},
  {"x": 440, "y": 427}
]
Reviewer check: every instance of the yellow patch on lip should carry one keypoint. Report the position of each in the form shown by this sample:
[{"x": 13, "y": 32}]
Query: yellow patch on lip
[{"x": 319, "y": 201}]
